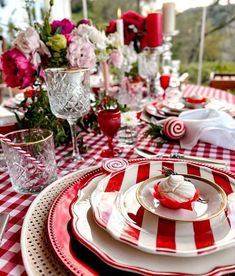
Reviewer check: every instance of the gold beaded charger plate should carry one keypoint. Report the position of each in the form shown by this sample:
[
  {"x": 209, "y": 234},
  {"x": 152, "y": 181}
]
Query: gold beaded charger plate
[{"x": 39, "y": 257}]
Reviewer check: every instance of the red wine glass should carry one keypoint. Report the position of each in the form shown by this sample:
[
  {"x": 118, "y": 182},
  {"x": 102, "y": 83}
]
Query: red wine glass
[
  {"x": 165, "y": 81},
  {"x": 109, "y": 121}
]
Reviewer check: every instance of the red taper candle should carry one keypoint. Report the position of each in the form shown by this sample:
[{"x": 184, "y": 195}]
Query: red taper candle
[{"x": 154, "y": 29}]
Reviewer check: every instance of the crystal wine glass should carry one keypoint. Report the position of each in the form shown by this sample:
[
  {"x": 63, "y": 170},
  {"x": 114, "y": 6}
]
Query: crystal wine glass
[
  {"x": 109, "y": 121},
  {"x": 148, "y": 69},
  {"x": 69, "y": 97}
]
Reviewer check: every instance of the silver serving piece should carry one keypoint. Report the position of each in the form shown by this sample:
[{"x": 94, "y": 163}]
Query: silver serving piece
[{"x": 148, "y": 154}]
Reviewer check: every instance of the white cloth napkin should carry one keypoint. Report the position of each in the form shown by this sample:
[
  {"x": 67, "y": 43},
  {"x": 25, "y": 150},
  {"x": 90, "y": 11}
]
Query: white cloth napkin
[
  {"x": 7, "y": 117},
  {"x": 208, "y": 125}
]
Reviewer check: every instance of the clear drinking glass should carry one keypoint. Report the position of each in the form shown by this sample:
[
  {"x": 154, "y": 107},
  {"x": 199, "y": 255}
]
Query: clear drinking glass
[
  {"x": 148, "y": 69},
  {"x": 69, "y": 97},
  {"x": 32, "y": 172}
]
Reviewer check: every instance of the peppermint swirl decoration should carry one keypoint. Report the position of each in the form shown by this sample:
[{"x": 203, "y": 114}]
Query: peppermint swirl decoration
[
  {"x": 115, "y": 164},
  {"x": 174, "y": 128}
]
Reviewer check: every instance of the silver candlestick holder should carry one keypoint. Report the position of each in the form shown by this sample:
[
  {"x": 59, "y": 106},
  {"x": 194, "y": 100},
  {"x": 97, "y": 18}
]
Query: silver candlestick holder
[{"x": 167, "y": 53}]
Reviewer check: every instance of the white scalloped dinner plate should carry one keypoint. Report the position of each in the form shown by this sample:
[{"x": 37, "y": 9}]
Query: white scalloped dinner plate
[
  {"x": 127, "y": 221},
  {"x": 125, "y": 257}
]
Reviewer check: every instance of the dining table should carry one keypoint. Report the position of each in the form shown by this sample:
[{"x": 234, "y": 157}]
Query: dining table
[{"x": 17, "y": 205}]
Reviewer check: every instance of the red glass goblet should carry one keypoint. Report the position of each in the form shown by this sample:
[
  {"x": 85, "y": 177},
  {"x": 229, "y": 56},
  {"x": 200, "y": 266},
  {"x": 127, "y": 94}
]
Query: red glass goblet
[
  {"x": 109, "y": 121},
  {"x": 165, "y": 81}
]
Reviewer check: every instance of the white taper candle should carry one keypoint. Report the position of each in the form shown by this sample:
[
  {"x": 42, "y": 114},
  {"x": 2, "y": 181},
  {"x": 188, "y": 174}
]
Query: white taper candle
[
  {"x": 84, "y": 6},
  {"x": 120, "y": 27},
  {"x": 168, "y": 10}
]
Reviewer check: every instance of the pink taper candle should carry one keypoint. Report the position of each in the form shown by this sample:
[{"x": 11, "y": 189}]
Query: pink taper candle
[{"x": 105, "y": 69}]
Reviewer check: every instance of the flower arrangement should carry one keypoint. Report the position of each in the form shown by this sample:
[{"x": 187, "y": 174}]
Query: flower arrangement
[{"x": 53, "y": 45}]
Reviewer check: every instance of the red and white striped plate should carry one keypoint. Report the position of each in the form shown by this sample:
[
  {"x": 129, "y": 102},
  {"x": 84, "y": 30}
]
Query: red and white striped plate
[{"x": 127, "y": 221}]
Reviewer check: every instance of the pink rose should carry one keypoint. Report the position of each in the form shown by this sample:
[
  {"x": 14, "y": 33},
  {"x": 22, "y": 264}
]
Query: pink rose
[
  {"x": 81, "y": 53},
  {"x": 18, "y": 71},
  {"x": 29, "y": 43},
  {"x": 116, "y": 58},
  {"x": 66, "y": 26}
]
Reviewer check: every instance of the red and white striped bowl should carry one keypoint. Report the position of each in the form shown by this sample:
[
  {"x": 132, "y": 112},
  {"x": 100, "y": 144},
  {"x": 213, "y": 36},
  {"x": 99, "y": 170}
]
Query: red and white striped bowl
[{"x": 122, "y": 216}]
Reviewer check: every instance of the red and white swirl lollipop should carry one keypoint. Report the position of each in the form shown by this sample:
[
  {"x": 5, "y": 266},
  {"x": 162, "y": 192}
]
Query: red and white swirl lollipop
[
  {"x": 174, "y": 128},
  {"x": 115, "y": 164}
]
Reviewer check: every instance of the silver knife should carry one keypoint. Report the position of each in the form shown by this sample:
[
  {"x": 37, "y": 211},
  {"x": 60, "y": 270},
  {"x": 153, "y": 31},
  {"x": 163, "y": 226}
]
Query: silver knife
[
  {"x": 148, "y": 154},
  {"x": 3, "y": 223}
]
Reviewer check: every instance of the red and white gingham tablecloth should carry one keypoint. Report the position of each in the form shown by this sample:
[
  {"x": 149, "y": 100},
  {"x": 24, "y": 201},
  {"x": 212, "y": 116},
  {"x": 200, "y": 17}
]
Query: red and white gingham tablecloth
[{"x": 17, "y": 205}]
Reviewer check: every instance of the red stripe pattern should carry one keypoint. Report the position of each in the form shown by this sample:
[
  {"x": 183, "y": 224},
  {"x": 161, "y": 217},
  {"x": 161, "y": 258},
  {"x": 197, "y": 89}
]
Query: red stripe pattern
[
  {"x": 130, "y": 223},
  {"x": 166, "y": 236},
  {"x": 203, "y": 234}
]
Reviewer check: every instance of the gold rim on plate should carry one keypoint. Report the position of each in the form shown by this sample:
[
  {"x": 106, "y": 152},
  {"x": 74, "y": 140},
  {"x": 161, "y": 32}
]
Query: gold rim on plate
[{"x": 220, "y": 191}]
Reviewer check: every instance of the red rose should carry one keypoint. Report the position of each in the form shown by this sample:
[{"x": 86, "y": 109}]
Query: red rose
[
  {"x": 133, "y": 18},
  {"x": 112, "y": 28},
  {"x": 134, "y": 28}
]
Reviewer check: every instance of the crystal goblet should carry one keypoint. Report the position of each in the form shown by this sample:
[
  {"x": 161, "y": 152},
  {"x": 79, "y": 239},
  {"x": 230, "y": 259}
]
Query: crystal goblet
[
  {"x": 148, "y": 69},
  {"x": 109, "y": 121},
  {"x": 69, "y": 97}
]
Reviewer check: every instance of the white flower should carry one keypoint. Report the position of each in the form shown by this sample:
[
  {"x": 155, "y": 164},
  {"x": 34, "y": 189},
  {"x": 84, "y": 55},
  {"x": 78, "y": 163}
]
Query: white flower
[
  {"x": 114, "y": 40},
  {"x": 102, "y": 55},
  {"x": 81, "y": 30},
  {"x": 95, "y": 36},
  {"x": 129, "y": 118},
  {"x": 98, "y": 38}
]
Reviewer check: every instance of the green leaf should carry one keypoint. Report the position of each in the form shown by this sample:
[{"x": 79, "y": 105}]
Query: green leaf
[{"x": 58, "y": 30}]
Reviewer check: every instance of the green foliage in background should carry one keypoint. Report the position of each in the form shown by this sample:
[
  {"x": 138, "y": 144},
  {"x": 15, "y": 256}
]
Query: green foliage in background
[
  {"x": 207, "y": 68},
  {"x": 102, "y": 11}
]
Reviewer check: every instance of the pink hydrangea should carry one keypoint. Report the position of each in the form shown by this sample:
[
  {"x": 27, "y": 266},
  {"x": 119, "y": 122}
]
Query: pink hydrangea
[
  {"x": 81, "y": 53},
  {"x": 18, "y": 71},
  {"x": 66, "y": 26}
]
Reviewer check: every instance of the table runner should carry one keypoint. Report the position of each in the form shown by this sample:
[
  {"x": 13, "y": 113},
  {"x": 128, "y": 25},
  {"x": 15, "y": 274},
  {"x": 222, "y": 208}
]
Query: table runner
[{"x": 17, "y": 205}]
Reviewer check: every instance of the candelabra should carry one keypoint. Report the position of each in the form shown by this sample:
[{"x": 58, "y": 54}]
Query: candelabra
[
  {"x": 171, "y": 67},
  {"x": 167, "y": 54}
]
